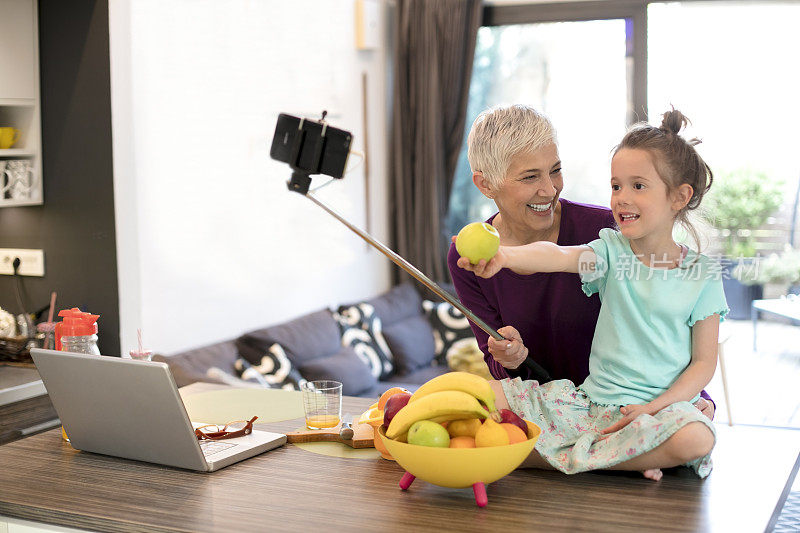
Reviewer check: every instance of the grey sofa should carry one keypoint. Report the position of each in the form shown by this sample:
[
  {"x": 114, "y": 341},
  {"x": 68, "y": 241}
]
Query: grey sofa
[{"x": 393, "y": 339}]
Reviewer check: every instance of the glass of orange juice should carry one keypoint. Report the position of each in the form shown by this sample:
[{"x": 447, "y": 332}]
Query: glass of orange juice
[{"x": 322, "y": 403}]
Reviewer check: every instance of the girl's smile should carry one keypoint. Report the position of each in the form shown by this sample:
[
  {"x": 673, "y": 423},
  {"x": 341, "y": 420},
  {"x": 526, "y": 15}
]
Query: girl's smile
[{"x": 627, "y": 218}]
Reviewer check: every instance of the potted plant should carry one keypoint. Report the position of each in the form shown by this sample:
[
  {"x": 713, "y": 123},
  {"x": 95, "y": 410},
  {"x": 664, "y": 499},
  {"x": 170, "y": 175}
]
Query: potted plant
[
  {"x": 780, "y": 269},
  {"x": 740, "y": 202}
]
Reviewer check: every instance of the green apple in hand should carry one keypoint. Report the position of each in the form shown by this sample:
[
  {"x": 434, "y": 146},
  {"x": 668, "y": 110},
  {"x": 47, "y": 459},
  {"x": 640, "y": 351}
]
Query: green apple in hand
[
  {"x": 477, "y": 241},
  {"x": 428, "y": 433}
]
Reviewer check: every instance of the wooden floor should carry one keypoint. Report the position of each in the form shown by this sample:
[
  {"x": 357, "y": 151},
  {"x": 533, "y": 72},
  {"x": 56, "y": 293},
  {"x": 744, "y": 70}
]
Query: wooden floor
[{"x": 763, "y": 384}]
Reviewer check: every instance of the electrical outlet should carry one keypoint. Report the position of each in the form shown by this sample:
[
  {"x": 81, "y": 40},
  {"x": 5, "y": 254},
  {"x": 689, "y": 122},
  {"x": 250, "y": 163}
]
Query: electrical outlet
[{"x": 31, "y": 262}]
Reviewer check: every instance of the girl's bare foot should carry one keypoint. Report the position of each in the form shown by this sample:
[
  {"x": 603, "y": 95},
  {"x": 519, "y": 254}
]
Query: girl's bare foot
[{"x": 654, "y": 473}]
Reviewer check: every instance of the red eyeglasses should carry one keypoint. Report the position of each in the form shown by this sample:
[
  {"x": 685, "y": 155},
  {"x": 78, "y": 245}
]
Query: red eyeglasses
[{"x": 237, "y": 428}]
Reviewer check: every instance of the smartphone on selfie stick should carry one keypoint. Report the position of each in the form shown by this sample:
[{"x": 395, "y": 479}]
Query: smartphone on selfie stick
[{"x": 313, "y": 147}]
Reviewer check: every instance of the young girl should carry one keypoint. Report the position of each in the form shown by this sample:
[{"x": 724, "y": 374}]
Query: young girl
[{"x": 655, "y": 345}]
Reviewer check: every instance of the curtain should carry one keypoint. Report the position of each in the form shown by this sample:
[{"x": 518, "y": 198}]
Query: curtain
[{"x": 434, "y": 51}]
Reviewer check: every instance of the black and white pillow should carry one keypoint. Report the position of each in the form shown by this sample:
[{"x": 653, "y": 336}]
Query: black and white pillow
[
  {"x": 361, "y": 328},
  {"x": 274, "y": 370},
  {"x": 451, "y": 331}
]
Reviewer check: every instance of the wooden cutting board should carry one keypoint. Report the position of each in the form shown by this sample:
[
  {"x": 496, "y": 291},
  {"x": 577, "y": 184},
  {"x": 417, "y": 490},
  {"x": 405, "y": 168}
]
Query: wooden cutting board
[{"x": 362, "y": 436}]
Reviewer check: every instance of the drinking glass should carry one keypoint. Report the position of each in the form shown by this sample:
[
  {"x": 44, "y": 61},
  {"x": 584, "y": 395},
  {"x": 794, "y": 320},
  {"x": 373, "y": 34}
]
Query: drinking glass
[
  {"x": 322, "y": 403},
  {"x": 141, "y": 355}
]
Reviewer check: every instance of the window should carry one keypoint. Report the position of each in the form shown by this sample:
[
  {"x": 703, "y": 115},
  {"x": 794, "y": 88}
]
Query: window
[
  {"x": 734, "y": 73},
  {"x": 582, "y": 88},
  {"x": 597, "y": 67},
  {"x": 576, "y": 64}
]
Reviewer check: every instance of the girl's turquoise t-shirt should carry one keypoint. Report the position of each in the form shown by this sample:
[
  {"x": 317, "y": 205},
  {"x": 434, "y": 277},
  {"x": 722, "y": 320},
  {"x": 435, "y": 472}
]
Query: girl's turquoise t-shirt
[{"x": 643, "y": 339}]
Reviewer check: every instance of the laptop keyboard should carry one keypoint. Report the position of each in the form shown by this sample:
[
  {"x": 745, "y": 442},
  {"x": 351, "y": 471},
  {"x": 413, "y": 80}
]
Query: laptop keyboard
[{"x": 210, "y": 447}]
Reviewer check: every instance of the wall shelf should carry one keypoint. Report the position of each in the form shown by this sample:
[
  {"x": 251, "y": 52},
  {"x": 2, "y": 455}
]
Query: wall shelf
[
  {"x": 21, "y": 165},
  {"x": 18, "y": 152},
  {"x": 18, "y": 102}
]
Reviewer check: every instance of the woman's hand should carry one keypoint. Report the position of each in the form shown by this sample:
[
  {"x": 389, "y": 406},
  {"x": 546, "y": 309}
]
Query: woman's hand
[
  {"x": 631, "y": 412},
  {"x": 509, "y": 352}
]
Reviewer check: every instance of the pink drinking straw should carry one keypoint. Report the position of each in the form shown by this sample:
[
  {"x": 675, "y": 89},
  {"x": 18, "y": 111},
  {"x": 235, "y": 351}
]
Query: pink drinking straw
[
  {"x": 52, "y": 307},
  {"x": 48, "y": 327},
  {"x": 141, "y": 353}
]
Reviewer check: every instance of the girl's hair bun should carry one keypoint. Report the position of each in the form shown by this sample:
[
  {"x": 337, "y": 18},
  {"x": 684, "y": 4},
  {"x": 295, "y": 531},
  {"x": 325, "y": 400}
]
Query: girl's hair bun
[{"x": 673, "y": 122}]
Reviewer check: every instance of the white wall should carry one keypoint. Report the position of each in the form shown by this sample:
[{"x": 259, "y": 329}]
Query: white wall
[{"x": 210, "y": 241}]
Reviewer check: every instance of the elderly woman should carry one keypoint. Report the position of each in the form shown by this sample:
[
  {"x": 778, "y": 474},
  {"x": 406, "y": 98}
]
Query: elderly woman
[{"x": 546, "y": 314}]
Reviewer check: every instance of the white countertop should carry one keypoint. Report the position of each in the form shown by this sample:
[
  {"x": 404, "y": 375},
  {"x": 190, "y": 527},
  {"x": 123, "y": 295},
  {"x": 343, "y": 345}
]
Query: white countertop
[{"x": 19, "y": 383}]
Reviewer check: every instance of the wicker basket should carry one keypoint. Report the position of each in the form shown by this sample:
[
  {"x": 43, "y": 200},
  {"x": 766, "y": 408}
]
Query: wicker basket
[{"x": 15, "y": 349}]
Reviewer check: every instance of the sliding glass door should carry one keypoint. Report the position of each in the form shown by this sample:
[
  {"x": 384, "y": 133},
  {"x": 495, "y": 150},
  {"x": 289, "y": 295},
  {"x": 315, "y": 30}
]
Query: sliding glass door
[{"x": 579, "y": 73}]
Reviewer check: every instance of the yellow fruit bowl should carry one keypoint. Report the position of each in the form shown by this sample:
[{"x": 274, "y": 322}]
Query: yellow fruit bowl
[
  {"x": 374, "y": 417},
  {"x": 460, "y": 467}
]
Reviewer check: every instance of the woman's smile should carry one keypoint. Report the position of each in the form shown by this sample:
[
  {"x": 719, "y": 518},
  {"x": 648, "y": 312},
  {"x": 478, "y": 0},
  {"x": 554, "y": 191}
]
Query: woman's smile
[{"x": 542, "y": 209}]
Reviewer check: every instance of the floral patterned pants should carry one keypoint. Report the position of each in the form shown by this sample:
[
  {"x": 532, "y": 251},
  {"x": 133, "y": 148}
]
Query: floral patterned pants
[{"x": 571, "y": 426}]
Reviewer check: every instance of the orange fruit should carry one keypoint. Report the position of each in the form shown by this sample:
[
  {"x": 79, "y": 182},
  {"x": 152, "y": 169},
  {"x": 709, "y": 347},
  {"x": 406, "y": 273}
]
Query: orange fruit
[
  {"x": 388, "y": 394},
  {"x": 464, "y": 428},
  {"x": 515, "y": 433},
  {"x": 371, "y": 416},
  {"x": 462, "y": 442}
]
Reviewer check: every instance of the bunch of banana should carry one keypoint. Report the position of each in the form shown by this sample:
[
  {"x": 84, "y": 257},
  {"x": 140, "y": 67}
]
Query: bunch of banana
[
  {"x": 440, "y": 407},
  {"x": 460, "y": 381},
  {"x": 451, "y": 396}
]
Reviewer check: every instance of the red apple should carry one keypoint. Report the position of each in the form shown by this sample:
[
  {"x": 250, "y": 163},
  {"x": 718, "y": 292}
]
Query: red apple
[
  {"x": 394, "y": 404},
  {"x": 509, "y": 416}
]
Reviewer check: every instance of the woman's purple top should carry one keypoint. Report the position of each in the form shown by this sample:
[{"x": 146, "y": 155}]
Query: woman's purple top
[
  {"x": 550, "y": 310},
  {"x": 552, "y": 314}
]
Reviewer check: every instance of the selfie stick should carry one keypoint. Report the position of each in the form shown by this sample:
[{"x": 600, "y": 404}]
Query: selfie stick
[
  {"x": 300, "y": 182},
  {"x": 537, "y": 371}
]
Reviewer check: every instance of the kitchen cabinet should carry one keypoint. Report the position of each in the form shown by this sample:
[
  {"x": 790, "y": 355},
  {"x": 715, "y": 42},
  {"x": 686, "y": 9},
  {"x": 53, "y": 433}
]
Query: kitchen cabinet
[{"x": 21, "y": 163}]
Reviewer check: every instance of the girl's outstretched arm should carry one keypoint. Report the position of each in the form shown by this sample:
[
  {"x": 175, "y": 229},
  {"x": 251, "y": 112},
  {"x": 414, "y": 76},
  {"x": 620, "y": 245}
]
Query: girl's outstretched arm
[
  {"x": 540, "y": 256},
  {"x": 705, "y": 336}
]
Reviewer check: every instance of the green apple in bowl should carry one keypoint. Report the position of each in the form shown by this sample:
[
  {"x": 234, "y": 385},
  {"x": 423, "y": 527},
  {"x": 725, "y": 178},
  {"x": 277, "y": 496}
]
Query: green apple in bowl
[
  {"x": 428, "y": 433},
  {"x": 477, "y": 241}
]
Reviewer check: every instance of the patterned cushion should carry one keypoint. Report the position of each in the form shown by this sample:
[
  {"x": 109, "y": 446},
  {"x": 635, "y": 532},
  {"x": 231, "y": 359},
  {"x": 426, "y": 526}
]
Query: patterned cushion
[
  {"x": 361, "y": 329},
  {"x": 451, "y": 331},
  {"x": 411, "y": 342},
  {"x": 346, "y": 367},
  {"x": 274, "y": 370},
  {"x": 219, "y": 375},
  {"x": 304, "y": 338}
]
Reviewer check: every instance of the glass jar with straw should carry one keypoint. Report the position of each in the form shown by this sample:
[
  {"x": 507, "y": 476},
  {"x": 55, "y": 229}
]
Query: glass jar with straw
[{"x": 141, "y": 354}]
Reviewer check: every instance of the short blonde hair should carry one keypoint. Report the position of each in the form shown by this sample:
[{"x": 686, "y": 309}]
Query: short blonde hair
[{"x": 500, "y": 133}]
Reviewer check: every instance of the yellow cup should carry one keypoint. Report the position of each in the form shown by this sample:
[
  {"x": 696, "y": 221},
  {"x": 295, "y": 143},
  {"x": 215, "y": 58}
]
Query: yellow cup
[{"x": 8, "y": 136}]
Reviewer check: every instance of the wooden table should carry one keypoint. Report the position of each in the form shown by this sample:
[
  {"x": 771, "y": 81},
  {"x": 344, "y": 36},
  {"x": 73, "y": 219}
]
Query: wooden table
[{"x": 44, "y": 480}]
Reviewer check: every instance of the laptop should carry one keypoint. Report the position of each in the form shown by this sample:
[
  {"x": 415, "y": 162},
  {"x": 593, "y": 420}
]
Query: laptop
[{"x": 132, "y": 409}]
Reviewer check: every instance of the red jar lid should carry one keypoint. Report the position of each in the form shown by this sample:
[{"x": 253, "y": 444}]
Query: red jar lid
[{"x": 76, "y": 323}]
